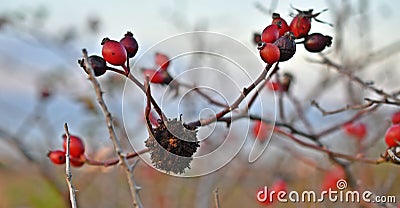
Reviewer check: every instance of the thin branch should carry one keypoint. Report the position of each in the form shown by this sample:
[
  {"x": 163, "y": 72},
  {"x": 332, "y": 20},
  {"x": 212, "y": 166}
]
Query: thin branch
[
  {"x": 113, "y": 136},
  {"x": 255, "y": 96},
  {"x": 203, "y": 94},
  {"x": 350, "y": 75},
  {"x": 352, "y": 119},
  {"x": 72, "y": 191},
  {"x": 141, "y": 87},
  {"x": 300, "y": 112},
  {"x": 281, "y": 105},
  {"x": 327, "y": 151},
  {"x": 114, "y": 161},
  {"x": 383, "y": 101},
  {"x": 216, "y": 198},
  {"x": 243, "y": 95},
  {"x": 346, "y": 108}
]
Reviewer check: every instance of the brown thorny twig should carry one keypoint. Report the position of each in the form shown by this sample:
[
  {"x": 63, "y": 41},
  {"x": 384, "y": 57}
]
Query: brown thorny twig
[
  {"x": 134, "y": 189},
  {"x": 71, "y": 188}
]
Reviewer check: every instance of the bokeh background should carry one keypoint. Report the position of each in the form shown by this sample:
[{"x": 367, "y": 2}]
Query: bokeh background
[{"x": 41, "y": 42}]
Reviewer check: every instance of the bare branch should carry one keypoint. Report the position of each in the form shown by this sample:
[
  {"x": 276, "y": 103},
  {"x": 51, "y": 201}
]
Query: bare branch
[
  {"x": 346, "y": 108},
  {"x": 351, "y": 76},
  {"x": 216, "y": 198},
  {"x": 72, "y": 191},
  {"x": 113, "y": 136},
  {"x": 245, "y": 92}
]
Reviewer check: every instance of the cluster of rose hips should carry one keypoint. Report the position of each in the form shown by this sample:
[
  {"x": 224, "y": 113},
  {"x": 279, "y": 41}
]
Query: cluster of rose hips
[
  {"x": 76, "y": 152},
  {"x": 115, "y": 53},
  {"x": 277, "y": 40}
]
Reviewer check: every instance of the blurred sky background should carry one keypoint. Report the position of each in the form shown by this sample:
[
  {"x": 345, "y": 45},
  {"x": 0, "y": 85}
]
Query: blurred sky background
[{"x": 151, "y": 22}]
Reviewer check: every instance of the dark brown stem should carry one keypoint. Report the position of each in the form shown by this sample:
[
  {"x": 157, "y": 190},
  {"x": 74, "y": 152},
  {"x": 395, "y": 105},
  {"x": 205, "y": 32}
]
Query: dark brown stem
[
  {"x": 239, "y": 100},
  {"x": 114, "y": 161},
  {"x": 203, "y": 94},
  {"x": 327, "y": 151}
]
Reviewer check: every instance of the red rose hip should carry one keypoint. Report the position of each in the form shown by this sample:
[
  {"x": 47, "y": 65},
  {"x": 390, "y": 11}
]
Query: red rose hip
[
  {"x": 359, "y": 130},
  {"x": 260, "y": 131},
  {"x": 76, "y": 162},
  {"x": 76, "y": 146},
  {"x": 392, "y": 136},
  {"x": 396, "y": 118},
  {"x": 301, "y": 24},
  {"x": 162, "y": 61},
  {"x": 114, "y": 52},
  {"x": 278, "y": 20},
  {"x": 130, "y": 44},
  {"x": 57, "y": 157},
  {"x": 269, "y": 53},
  {"x": 270, "y": 34}
]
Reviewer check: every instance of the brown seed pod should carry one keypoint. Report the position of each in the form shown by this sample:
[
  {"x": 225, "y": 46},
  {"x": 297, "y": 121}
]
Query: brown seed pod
[
  {"x": 172, "y": 146},
  {"x": 287, "y": 46}
]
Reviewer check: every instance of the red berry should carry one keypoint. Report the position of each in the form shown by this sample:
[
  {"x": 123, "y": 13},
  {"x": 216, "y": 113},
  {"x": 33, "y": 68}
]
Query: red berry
[
  {"x": 260, "y": 131},
  {"x": 45, "y": 93},
  {"x": 278, "y": 20},
  {"x": 317, "y": 42},
  {"x": 392, "y": 136},
  {"x": 359, "y": 130},
  {"x": 76, "y": 162},
  {"x": 56, "y": 157},
  {"x": 130, "y": 44},
  {"x": 301, "y": 24},
  {"x": 331, "y": 177},
  {"x": 269, "y": 53},
  {"x": 114, "y": 52},
  {"x": 162, "y": 61},
  {"x": 270, "y": 34},
  {"x": 274, "y": 86},
  {"x": 396, "y": 118},
  {"x": 277, "y": 187},
  {"x": 287, "y": 46},
  {"x": 154, "y": 76},
  {"x": 76, "y": 146},
  {"x": 97, "y": 63}
]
